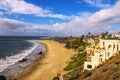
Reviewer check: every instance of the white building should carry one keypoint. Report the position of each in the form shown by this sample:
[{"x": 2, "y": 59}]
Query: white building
[
  {"x": 117, "y": 35},
  {"x": 100, "y": 52}
]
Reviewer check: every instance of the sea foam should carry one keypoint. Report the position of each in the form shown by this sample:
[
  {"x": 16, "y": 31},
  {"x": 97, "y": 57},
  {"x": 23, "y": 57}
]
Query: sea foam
[{"x": 11, "y": 60}]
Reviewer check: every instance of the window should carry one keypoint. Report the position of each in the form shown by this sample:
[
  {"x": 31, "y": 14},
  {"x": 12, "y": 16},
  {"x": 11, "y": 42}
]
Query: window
[
  {"x": 110, "y": 46},
  {"x": 89, "y": 66},
  {"x": 101, "y": 59},
  {"x": 117, "y": 47},
  {"x": 108, "y": 54},
  {"x": 103, "y": 43},
  {"x": 101, "y": 55},
  {"x": 114, "y": 46}
]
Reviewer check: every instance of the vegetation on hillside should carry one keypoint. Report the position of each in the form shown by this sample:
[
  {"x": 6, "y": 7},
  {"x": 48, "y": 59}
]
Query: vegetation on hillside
[
  {"x": 76, "y": 61},
  {"x": 79, "y": 44},
  {"x": 110, "y": 70},
  {"x": 75, "y": 66}
]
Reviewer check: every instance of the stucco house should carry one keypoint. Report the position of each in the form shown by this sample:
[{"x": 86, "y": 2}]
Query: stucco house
[{"x": 97, "y": 54}]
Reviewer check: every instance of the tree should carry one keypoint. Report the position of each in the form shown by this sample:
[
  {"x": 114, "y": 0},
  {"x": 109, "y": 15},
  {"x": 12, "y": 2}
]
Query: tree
[
  {"x": 89, "y": 34},
  {"x": 106, "y": 33}
]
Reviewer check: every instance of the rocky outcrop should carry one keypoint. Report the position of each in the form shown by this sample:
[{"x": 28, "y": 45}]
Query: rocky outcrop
[
  {"x": 23, "y": 60},
  {"x": 2, "y": 77},
  {"x": 40, "y": 53}
]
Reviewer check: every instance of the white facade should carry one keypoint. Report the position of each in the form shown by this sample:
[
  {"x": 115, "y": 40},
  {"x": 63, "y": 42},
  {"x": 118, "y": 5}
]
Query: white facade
[
  {"x": 104, "y": 50},
  {"x": 117, "y": 35}
]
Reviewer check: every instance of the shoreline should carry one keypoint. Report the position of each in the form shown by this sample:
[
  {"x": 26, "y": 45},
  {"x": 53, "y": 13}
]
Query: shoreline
[
  {"x": 30, "y": 67},
  {"x": 50, "y": 65},
  {"x": 22, "y": 63}
]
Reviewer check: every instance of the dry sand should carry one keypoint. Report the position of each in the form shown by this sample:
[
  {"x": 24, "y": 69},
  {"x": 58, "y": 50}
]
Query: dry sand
[{"x": 55, "y": 60}]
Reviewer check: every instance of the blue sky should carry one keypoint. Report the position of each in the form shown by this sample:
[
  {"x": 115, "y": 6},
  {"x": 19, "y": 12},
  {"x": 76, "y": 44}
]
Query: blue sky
[{"x": 58, "y": 17}]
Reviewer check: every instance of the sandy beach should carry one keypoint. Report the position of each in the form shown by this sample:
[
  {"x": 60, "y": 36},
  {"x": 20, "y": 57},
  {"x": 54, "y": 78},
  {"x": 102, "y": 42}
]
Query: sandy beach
[{"x": 55, "y": 60}]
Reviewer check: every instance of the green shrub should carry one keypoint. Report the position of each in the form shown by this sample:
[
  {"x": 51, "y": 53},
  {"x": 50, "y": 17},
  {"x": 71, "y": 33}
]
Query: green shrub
[
  {"x": 55, "y": 78},
  {"x": 77, "y": 60}
]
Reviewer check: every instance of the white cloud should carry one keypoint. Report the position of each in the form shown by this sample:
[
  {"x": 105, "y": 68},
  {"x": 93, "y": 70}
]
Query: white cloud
[
  {"x": 12, "y": 27},
  {"x": 23, "y": 7},
  {"x": 97, "y": 22},
  {"x": 87, "y": 22},
  {"x": 1, "y": 14},
  {"x": 99, "y": 3}
]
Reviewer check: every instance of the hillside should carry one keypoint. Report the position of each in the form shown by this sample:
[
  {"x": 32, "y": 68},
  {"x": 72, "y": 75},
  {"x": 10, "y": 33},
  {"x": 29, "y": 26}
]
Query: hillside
[{"x": 110, "y": 70}]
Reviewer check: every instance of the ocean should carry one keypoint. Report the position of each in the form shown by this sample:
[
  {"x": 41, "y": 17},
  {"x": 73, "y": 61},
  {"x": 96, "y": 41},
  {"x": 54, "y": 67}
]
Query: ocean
[
  {"x": 9, "y": 48},
  {"x": 14, "y": 49}
]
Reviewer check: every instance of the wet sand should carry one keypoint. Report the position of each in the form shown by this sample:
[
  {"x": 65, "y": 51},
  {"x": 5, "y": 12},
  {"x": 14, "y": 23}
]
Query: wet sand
[{"x": 55, "y": 60}]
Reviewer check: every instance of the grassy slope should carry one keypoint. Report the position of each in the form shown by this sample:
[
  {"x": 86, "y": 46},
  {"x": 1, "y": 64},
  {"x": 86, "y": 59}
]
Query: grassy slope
[
  {"x": 76, "y": 61},
  {"x": 110, "y": 70},
  {"x": 76, "y": 66}
]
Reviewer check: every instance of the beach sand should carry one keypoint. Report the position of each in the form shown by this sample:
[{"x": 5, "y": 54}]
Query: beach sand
[{"x": 55, "y": 60}]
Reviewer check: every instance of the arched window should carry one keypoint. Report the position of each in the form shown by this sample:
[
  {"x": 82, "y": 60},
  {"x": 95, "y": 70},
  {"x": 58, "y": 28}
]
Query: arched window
[
  {"x": 108, "y": 54},
  {"x": 109, "y": 46},
  {"x": 103, "y": 43},
  {"x": 117, "y": 47},
  {"x": 114, "y": 46}
]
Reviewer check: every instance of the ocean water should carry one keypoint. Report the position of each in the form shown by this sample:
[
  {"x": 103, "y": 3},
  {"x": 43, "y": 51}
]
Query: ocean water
[
  {"x": 14, "y": 49},
  {"x": 9, "y": 48}
]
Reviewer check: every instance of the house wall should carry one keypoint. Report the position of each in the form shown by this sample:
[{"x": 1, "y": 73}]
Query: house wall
[
  {"x": 96, "y": 59},
  {"x": 110, "y": 47},
  {"x": 102, "y": 55},
  {"x": 107, "y": 48}
]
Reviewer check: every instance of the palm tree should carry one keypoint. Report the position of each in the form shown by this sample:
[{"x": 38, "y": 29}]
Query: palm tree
[
  {"x": 106, "y": 33},
  {"x": 89, "y": 34}
]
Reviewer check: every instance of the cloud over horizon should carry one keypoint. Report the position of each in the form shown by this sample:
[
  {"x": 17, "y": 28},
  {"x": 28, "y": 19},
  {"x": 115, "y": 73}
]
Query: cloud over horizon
[
  {"x": 12, "y": 27},
  {"x": 97, "y": 22}
]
